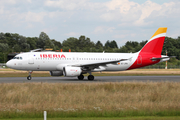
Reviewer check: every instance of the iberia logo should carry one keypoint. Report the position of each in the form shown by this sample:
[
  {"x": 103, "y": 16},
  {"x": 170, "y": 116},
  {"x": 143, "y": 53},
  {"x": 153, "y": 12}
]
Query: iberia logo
[{"x": 52, "y": 56}]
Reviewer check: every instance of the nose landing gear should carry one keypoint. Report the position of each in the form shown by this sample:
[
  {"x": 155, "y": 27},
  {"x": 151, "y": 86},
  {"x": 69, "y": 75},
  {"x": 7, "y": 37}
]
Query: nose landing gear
[{"x": 29, "y": 77}]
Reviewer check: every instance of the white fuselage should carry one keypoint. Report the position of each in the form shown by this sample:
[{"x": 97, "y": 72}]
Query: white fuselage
[{"x": 53, "y": 61}]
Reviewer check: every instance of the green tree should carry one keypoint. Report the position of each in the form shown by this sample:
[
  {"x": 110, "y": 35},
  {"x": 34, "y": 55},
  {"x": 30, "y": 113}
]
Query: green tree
[
  {"x": 32, "y": 42},
  {"x": 10, "y": 39},
  {"x": 85, "y": 44},
  {"x": 23, "y": 44},
  {"x": 99, "y": 46},
  {"x": 123, "y": 49},
  {"x": 107, "y": 44},
  {"x": 44, "y": 41},
  {"x": 71, "y": 43},
  {"x": 57, "y": 44},
  {"x": 110, "y": 46},
  {"x": 16, "y": 48},
  {"x": 4, "y": 49},
  {"x": 143, "y": 43},
  {"x": 3, "y": 38},
  {"x": 113, "y": 44}
]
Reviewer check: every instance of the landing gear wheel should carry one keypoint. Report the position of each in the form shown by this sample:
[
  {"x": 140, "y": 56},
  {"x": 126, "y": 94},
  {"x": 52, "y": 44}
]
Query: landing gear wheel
[
  {"x": 81, "y": 77},
  {"x": 90, "y": 77},
  {"x": 29, "y": 78}
]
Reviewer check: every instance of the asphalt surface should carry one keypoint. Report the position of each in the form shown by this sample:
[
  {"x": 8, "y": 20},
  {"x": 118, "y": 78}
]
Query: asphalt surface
[{"x": 97, "y": 79}]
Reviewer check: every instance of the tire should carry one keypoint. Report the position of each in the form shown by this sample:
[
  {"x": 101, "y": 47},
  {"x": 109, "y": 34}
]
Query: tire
[
  {"x": 29, "y": 78},
  {"x": 90, "y": 77},
  {"x": 81, "y": 77}
]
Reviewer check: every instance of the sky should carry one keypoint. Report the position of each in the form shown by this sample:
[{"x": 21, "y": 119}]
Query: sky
[{"x": 119, "y": 20}]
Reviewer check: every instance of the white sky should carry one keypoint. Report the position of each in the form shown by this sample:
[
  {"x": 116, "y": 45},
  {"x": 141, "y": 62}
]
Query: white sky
[{"x": 120, "y": 20}]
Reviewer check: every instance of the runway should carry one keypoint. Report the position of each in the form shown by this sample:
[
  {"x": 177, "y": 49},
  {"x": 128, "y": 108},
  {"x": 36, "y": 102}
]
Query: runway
[{"x": 97, "y": 79}]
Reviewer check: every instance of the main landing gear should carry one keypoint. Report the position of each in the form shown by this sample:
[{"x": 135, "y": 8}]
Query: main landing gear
[
  {"x": 90, "y": 77},
  {"x": 29, "y": 77},
  {"x": 81, "y": 77}
]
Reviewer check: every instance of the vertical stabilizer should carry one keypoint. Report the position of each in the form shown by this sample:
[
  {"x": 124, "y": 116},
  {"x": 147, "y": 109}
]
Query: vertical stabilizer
[
  {"x": 152, "y": 49},
  {"x": 155, "y": 44}
]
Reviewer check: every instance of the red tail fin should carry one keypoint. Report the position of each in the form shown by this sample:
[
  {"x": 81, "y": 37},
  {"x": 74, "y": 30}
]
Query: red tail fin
[
  {"x": 155, "y": 44},
  {"x": 152, "y": 49}
]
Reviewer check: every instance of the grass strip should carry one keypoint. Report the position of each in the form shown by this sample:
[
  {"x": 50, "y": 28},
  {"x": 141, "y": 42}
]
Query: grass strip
[
  {"x": 104, "y": 118},
  {"x": 125, "y": 99},
  {"x": 90, "y": 114}
]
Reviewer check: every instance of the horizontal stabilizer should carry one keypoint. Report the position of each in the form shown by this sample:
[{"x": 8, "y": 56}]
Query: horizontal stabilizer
[{"x": 162, "y": 58}]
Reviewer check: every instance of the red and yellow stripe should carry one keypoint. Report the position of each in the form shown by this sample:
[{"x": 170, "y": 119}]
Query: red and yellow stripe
[{"x": 160, "y": 31}]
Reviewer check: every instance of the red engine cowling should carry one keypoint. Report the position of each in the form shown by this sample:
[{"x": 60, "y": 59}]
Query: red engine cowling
[
  {"x": 56, "y": 73},
  {"x": 71, "y": 71}
]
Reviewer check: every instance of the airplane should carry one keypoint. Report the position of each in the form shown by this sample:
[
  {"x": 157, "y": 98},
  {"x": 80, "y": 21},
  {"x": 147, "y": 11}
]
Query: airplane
[{"x": 75, "y": 64}]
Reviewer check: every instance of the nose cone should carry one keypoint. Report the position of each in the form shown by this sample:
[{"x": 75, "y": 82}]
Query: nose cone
[{"x": 9, "y": 64}]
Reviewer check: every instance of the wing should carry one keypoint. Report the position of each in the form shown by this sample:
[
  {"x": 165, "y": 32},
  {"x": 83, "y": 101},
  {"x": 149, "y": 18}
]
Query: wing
[{"x": 89, "y": 66}]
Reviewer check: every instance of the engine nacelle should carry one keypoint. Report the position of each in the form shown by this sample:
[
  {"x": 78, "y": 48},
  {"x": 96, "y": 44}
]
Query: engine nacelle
[
  {"x": 71, "y": 71},
  {"x": 56, "y": 73}
]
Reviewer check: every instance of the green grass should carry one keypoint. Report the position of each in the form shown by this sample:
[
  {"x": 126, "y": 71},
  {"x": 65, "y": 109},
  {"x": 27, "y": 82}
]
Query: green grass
[
  {"x": 104, "y": 118},
  {"x": 126, "y": 99},
  {"x": 90, "y": 114}
]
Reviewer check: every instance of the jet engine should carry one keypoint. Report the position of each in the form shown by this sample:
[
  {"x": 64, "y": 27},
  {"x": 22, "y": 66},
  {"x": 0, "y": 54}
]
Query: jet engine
[
  {"x": 71, "y": 71},
  {"x": 56, "y": 73}
]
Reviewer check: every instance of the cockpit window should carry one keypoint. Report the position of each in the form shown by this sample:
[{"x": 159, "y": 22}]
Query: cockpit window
[{"x": 18, "y": 58}]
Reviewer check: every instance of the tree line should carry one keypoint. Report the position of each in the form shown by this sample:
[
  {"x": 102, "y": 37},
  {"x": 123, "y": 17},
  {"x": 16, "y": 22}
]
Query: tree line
[{"x": 13, "y": 42}]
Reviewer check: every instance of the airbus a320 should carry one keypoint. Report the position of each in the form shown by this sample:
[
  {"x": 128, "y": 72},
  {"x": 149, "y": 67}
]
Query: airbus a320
[{"x": 76, "y": 64}]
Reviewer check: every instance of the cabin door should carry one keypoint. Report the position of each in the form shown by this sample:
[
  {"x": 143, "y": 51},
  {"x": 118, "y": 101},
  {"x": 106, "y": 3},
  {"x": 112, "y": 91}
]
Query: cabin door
[{"x": 31, "y": 59}]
